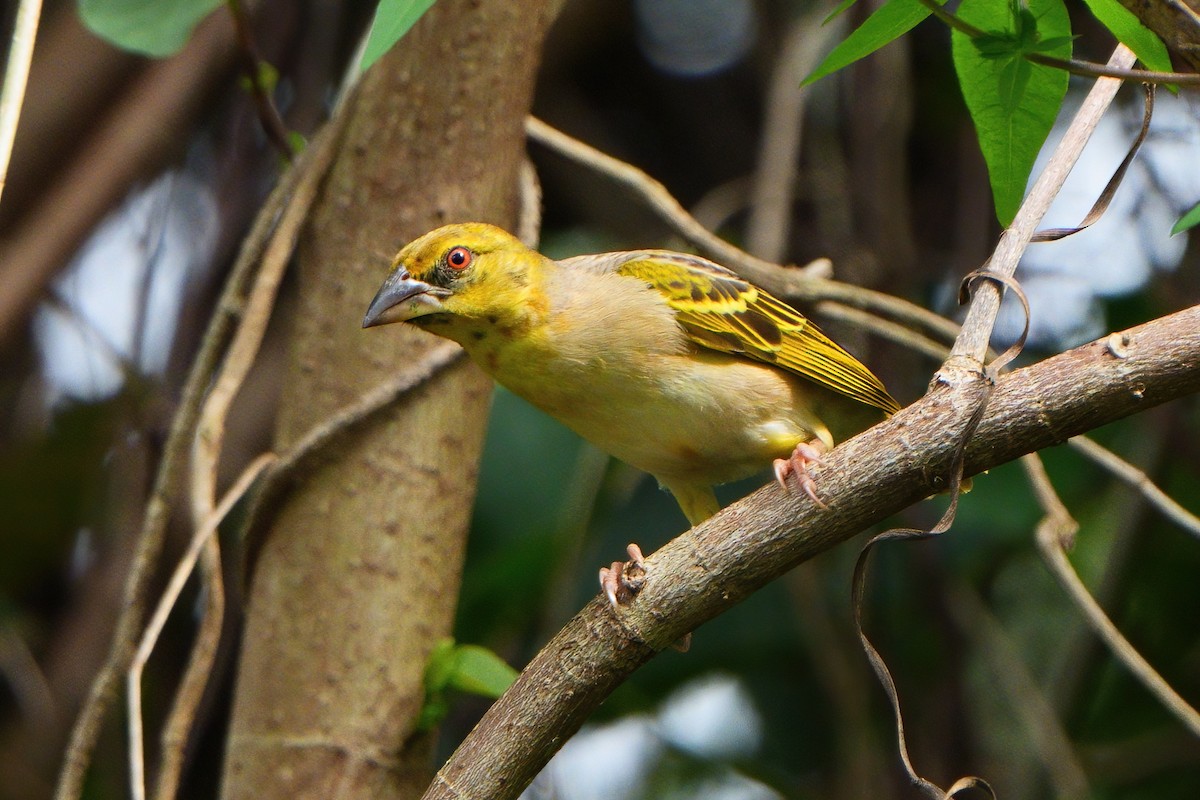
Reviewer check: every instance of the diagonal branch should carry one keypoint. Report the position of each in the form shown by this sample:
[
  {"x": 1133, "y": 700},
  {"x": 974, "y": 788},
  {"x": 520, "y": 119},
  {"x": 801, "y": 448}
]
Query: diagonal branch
[
  {"x": 712, "y": 567},
  {"x": 1139, "y": 480},
  {"x": 791, "y": 283},
  {"x": 1054, "y": 534}
]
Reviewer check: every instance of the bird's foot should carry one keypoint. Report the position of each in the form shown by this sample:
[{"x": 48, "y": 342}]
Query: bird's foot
[
  {"x": 805, "y": 453},
  {"x": 623, "y": 580}
]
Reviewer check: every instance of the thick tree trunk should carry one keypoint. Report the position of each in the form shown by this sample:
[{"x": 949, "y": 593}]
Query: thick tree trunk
[{"x": 357, "y": 577}]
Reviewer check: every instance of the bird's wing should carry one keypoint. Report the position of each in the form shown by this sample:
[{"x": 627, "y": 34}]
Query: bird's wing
[{"x": 719, "y": 310}]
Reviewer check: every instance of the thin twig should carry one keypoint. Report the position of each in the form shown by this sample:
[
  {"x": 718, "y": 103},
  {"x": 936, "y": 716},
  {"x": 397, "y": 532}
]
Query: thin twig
[
  {"x": 771, "y": 194},
  {"x": 166, "y": 603},
  {"x": 651, "y": 190},
  {"x": 793, "y": 283},
  {"x": 981, "y": 317},
  {"x": 1049, "y": 741},
  {"x": 314, "y": 441},
  {"x": 177, "y": 729},
  {"x": 207, "y": 446},
  {"x": 168, "y": 483},
  {"x": 1140, "y": 481},
  {"x": 1065, "y": 682},
  {"x": 887, "y": 329},
  {"x": 661, "y": 201},
  {"x": 252, "y": 65},
  {"x": 210, "y": 432},
  {"x": 1088, "y": 69},
  {"x": 1056, "y": 530},
  {"x": 820, "y": 290},
  {"x": 965, "y": 380},
  {"x": 529, "y": 195},
  {"x": 971, "y": 345},
  {"x": 158, "y": 512},
  {"x": 16, "y": 75}
]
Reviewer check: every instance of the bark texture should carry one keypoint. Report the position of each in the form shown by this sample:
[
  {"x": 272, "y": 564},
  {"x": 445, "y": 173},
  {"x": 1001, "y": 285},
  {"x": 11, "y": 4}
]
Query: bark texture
[{"x": 356, "y": 579}]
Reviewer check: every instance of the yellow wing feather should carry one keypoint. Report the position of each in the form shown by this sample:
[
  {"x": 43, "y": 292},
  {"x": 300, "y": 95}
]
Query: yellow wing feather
[{"x": 719, "y": 310}]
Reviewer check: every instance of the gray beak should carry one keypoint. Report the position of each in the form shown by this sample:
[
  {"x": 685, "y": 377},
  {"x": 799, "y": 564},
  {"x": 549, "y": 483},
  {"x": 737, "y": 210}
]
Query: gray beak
[{"x": 402, "y": 298}]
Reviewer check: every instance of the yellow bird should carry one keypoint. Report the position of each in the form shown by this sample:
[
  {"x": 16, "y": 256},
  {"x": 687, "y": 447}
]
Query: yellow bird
[{"x": 665, "y": 360}]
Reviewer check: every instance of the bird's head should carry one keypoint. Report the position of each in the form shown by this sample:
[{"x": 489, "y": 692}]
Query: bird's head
[{"x": 455, "y": 275}]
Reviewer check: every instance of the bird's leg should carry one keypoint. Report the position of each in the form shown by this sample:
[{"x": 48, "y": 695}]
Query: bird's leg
[
  {"x": 623, "y": 580},
  {"x": 806, "y": 453}
]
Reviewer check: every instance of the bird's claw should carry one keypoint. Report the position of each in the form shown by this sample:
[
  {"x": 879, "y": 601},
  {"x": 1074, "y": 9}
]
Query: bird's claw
[
  {"x": 805, "y": 453},
  {"x": 623, "y": 580}
]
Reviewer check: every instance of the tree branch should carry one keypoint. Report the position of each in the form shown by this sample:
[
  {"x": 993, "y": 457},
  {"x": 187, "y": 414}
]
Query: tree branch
[{"x": 712, "y": 567}]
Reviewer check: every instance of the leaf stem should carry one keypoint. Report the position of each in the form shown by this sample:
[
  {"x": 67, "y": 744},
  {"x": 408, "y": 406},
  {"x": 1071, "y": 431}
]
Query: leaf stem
[
  {"x": 268, "y": 114},
  {"x": 1087, "y": 69}
]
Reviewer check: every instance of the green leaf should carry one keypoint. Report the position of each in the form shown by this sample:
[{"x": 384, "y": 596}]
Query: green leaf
[
  {"x": 1189, "y": 220},
  {"x": 155, "y": 28},
  {"x": 1027, "y": 30},
  {"x": 1048, "y": 46},
  {"x": 439, "y": 666},
  {"x": 393, "y": 18},
  {"x": 296, "y": 142},
  {"x": 842, "y": 8},
  {"x": 997, "y": 45},
  {"x": 465, "y": 668},
  {"x": 432, "y": 712},
  {"x": 1012, "y": 102},
  {"x": 478, "y": 670},
  {"x": 1125, "y": 25},
  {"x": 891, "y": 21},
  {"x": 267, "y": 77}
]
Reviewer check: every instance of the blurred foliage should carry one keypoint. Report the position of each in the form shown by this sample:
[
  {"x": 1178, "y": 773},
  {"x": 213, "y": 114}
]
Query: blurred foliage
[
  {"x": 150, "y": 27},
  {"x": 50, "y": 487},
  {"x": 896, "y": 194}
]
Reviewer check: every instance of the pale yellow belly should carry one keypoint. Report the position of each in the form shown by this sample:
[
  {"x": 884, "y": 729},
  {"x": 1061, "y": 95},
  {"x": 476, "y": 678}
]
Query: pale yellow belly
[{"x": 699, "y": 418}]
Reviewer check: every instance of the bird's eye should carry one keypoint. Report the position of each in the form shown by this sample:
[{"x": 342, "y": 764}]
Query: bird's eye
[{"x": 459, "y": 258}]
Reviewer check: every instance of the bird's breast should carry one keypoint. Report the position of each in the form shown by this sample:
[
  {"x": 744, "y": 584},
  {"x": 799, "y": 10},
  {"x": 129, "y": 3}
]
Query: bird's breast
[{"x": 675, "y": 413}]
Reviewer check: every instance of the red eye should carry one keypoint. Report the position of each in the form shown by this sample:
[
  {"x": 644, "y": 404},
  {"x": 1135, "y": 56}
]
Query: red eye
[{"x": 459, "y": 258}]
